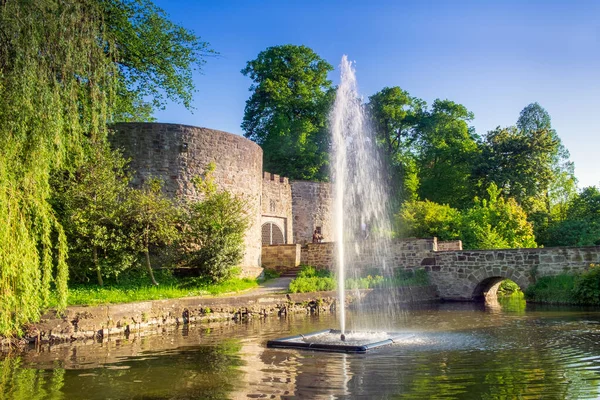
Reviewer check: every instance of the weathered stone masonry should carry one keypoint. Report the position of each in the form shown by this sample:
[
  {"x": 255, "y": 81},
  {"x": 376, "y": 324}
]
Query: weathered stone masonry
[
  {"x": 465, "y": 275},
  {"x": 178, "y": 153}
]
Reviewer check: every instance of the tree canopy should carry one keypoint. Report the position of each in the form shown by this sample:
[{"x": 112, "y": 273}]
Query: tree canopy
[
  {"x": 67, "y": 68},
  {"x": 287, "y": 111},
  {"x": 155, "y": 57}
]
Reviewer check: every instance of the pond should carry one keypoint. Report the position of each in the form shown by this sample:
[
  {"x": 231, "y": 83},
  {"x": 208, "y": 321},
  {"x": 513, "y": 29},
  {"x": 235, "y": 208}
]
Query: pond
[{"x": 456, "y": 351}]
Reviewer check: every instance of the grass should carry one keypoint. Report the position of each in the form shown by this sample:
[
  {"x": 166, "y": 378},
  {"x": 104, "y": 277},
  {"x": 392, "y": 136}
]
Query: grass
[
  {"x": 310, "y": 279},
  {"x": 552, "y": 289},
  {"x": 140, "y": 289}
]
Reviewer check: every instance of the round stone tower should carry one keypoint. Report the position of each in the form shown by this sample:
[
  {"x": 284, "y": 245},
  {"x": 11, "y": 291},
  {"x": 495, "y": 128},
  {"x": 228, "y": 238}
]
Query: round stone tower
[{"x": 177, "y": 153}]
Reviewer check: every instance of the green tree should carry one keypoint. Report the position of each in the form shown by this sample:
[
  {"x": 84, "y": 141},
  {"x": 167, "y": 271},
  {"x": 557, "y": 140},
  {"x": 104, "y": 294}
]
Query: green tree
[
  {"x": 66, "y": 69},
  {"x": 155, "y": 57},
  {"x": 287, "y": 111},
  {"x": 55, "y": 89},
  {"x": 152, "y": 220},
  {"x": 446, "y": 148},
  {"x": 395, "y": 115},
  {"x": 581, "y": 225},
  {"x": 91, "y": 203},
  {"x": 215, "y": 227},
  {"x": 495, "y": 223},
  {"x": 529, "y": 163},
  {"x": 428, "y": 219}
]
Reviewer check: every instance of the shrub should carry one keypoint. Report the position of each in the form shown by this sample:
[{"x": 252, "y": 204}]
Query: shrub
[
  {"x": 552, "y": 289},
  {"x": 215, "y": 228},
  {"x": 312, "y": 284},
  {"x": 586, "y": 288},
  {"x": 270, "y": 273},
  {"x": 508, "y": 287}
]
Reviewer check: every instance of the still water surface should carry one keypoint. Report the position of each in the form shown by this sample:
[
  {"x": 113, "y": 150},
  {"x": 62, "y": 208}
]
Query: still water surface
[{"x": 458, "y": 351}]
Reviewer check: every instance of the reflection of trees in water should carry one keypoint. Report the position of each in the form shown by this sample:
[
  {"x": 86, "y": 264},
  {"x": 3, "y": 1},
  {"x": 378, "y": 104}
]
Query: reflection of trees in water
[
  {"x": 20, "y": 383},
  {"x": 207, "y": 372}
]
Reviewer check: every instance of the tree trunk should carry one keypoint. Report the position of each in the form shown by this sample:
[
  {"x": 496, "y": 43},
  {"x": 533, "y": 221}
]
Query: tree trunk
[
  {"x": 98, "y": 272},
  {"x": 150, "y": 268}
]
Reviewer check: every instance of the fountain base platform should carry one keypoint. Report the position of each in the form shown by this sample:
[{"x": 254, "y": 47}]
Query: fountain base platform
[{"x": 329, "y": 340}]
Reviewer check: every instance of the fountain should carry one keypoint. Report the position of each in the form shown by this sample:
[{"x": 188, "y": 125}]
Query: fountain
[{"x": 362, "y": 223}]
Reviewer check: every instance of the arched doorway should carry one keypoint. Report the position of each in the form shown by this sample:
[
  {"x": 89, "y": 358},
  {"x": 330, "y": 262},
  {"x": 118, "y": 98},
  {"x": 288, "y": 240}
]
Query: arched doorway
[{"x": 272, "y": 234}]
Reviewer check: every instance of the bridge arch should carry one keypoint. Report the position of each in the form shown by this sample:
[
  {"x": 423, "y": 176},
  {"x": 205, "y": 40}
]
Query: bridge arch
[{"x": 488, "y": 282}]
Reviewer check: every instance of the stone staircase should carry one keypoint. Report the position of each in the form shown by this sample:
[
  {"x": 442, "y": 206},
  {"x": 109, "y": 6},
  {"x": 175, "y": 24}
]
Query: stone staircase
[{"x": 290, "y": 273}]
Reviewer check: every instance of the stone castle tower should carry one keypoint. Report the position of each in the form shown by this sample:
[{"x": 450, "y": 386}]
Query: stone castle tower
[{"x": 282, "y": 212}]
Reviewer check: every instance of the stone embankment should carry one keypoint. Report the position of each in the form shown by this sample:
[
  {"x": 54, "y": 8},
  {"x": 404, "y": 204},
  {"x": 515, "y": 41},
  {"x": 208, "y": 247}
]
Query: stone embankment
[{"x": 101, "y": 322}]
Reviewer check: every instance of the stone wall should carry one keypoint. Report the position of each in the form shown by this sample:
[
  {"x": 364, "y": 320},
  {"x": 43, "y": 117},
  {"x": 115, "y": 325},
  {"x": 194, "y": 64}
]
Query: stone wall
[
  {"x": 276, "y": 204},
  {"x": 404, "y": 253},
  {"x": 281, "y": 257},
  {"x": 177, "y": 153},
  {"x": 312, "y": 206},
  {"x": 449, "y": 245},
  {"x": 122, "y": 320},
  {"x": 463, "y": 275}
]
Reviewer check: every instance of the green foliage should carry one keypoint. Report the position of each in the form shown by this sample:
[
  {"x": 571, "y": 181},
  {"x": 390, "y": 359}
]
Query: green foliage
[
  {"x": 136, "y": 285},
  {"x": 311, "y": 279},
  {"x": 581, "y": 224},
  {"x": 491, "y": 223},
  {"x": 508, "y": 287},
  {"x": 552, "y": 289},
  {"x": 55, "y": 97},
  {"x": 152, "y": 220},
  {"x": 395, "y": 115},
  {"x": 424, "y": 219},
  {"x": 91, "y": 205},
  {"x": 287, "y": 111},
  {"x": 270, "y": 273},
  {"x": 155, "y": 57},
  {"x": 308, "y": 271},
  {"x": 446, "y": 147},
  {"x": 215, "y": 227},
  {"x": 418, "y": 277},
  {"x": 495, "y": 223},
  {"x": 586, "y": 289},
  {"x": 312, "y": 284}
]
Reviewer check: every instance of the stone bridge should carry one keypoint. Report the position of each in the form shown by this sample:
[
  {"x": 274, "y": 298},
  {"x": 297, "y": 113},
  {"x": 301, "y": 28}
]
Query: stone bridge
[
  {"x": 464, "y": 274},
  {"x": 469, "y": 275}
]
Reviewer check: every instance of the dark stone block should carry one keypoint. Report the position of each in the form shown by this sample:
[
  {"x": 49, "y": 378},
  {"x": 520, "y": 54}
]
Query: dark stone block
[{"x": 428, "y": 261}]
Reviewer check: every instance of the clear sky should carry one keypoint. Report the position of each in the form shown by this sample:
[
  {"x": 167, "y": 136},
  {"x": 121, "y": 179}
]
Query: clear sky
[{"x": 495, "y": 57}]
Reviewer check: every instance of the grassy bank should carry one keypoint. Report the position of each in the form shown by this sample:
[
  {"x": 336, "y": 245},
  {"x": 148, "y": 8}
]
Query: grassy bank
[
  {"x": 580, "y": 289},
  {"x": 140, "y": 288},
  {"x": 310, "y": 279}
]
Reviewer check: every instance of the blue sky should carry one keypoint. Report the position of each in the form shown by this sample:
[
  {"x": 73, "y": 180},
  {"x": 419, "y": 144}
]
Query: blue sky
[{"x": 495, "y": 57}]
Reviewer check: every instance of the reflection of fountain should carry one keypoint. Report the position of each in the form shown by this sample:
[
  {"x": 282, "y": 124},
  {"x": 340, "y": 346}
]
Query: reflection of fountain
[{"x": 362, "y": 223}]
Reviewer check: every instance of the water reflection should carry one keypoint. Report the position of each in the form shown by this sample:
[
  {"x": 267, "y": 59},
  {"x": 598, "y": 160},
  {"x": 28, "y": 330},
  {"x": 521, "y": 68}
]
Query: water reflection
[{"x": 506, "y": 350}]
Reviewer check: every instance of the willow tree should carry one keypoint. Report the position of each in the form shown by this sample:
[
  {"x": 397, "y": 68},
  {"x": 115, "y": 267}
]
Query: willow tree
[{"x": 56, "y": 91}]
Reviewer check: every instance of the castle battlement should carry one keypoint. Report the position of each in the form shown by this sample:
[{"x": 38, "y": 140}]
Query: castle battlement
[{"x": 267, "y": 176}]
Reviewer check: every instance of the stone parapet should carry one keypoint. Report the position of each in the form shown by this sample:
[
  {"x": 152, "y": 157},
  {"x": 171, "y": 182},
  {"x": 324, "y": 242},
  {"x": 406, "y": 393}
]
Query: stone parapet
[
  {"x": 281, "y": 257},
  {"x": 312, "y": 207},
  {"x": 449, "y": 245}
]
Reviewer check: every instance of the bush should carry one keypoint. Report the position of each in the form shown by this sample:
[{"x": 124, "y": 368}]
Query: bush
[
  {"x": 553, "y": 289},
  {"x": 270, "y": 273},
  {"x": 312, "y": 284},
  {"x": 311, "y": 279},
  {"x": 508, "y": 287},
  {"x": 215, "y": 228},
  {"x": 308, "y": 271},
  {"x": 586, "y": 288}
]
